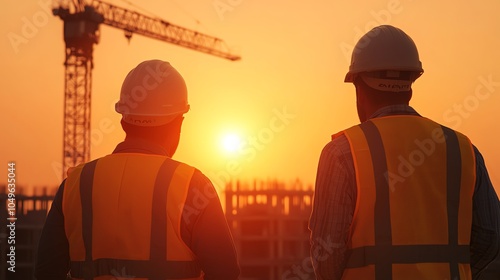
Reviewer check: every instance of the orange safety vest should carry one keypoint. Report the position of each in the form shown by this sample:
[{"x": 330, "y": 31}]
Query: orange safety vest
[
  {"x": 122, "y": 217},
  {"x": 413, "y": 217}
]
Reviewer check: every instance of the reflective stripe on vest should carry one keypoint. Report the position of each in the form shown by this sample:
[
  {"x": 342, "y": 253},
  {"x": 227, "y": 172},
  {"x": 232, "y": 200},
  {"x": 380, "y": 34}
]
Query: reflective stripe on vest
[
  {"x": 413, "y": 211},
  {"x": 116, "y": 222}
]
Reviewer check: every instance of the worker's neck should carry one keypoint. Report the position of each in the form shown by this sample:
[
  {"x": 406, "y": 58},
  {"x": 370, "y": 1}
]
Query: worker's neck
[
  {"x": 130, "y": 137},
  {"x": 167, "y": 144},
  {"x": 371, "y": 107}
]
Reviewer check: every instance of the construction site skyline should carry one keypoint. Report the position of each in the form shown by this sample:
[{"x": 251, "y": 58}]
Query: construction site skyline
[
  {"x": 266, "y": 89},
  {"x": 266, "y": 116},
  {"x": 267, "y": 218}
]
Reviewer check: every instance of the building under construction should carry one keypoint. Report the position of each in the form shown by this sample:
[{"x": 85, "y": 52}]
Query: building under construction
[
  {"x": 269, "y": 222},
  {"x": 30, "y": 212}
]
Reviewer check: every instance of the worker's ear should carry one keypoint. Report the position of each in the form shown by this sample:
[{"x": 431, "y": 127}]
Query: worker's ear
[
  {"x": 177, "y": 124},
  {"x": 361, "y": 103},
  {"x": 174, "y": 134}
]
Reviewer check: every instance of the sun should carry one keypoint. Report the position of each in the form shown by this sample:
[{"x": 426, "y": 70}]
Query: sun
[{"x": 231, "y": 143}]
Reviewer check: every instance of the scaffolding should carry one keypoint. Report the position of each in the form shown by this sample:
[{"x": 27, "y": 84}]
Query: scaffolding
[
  {"x": 30, "y": 212},
  {"x": 269, "y": 223}
]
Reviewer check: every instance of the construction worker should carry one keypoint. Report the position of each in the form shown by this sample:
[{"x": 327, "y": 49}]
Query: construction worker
[
  {"x": 137, "y": 213},
  {"x": 400, "y": 196}
]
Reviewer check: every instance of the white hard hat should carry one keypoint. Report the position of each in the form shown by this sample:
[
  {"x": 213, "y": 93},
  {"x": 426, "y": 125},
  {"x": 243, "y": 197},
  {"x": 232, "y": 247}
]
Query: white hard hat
[
  {"x": 384, "y": 48},
  {"x": 152, "y": 94}
]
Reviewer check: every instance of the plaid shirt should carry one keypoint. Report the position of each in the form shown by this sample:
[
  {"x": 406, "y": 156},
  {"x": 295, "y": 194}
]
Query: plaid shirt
[{"x": 335, "y": 201}]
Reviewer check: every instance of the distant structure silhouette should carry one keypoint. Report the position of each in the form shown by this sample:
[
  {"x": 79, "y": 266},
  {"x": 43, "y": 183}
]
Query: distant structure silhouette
[
  {"x": 31, "y": 211},
  {"x": 268, "y": 220}
]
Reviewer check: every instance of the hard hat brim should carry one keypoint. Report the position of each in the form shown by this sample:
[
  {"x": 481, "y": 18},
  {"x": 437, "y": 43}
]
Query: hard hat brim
[{"x": 349, "y": 78}]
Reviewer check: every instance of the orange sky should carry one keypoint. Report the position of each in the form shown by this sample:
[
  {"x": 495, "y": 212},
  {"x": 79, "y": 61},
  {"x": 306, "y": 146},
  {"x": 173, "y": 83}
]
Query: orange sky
[{"x": 284, "y": 98}]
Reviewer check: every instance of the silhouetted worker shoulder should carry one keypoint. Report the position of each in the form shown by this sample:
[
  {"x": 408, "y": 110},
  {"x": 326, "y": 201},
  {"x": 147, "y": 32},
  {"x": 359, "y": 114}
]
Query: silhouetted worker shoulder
[
  {"x": 137, "y": 213},
  {"x": 400, "y": 196}
]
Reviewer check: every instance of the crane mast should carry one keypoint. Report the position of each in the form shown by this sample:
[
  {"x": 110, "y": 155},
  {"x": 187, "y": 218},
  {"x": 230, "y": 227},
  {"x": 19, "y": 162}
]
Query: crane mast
[{"x": 82, "y": 20}]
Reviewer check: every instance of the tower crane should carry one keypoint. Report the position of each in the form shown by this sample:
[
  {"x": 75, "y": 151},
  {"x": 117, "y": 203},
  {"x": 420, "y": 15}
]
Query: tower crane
[{"x": 82, "y": 19}]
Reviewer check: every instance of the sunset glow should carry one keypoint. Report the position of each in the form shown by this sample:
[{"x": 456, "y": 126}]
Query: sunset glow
[
  {"x": 231, "y": 143},
  {"x": 268, "y": 115}
]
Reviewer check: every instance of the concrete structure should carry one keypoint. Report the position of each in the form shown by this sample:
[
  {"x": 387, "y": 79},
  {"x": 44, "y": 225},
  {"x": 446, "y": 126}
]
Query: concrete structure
[
  {"x": 30, "y": 212},
  {"x": 269, "y": 222}
]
